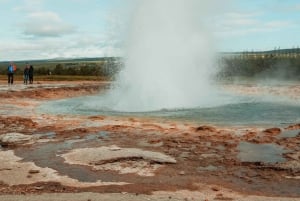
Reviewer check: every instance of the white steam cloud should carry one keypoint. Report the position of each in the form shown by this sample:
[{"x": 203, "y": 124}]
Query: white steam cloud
[{"x": 169, "y": 58}]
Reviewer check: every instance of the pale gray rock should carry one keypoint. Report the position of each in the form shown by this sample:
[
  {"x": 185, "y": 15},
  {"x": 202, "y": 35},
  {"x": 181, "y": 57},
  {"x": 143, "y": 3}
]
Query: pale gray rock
[{"x": 11, "y": 139}]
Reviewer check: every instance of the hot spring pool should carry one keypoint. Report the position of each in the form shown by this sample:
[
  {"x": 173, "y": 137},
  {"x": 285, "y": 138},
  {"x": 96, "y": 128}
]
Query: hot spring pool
[{"x": 242, "y": 111}]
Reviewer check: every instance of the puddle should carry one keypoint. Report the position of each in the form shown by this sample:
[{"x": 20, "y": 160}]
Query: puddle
[
  {"x": 220, "y": 148},
  {"x": 48, "y": 155},
  {"x": 48, "y": 135},
  {"x": 145, "y": 143},
  {"x": 69, "y": 143},
  {"x": 265, "y": 153},
  {"x": 289, "y": 133},
  {"x": 209, "y": 168},
  {"x": 97, "y": 136},
  {"x": 92, "y": 124}
]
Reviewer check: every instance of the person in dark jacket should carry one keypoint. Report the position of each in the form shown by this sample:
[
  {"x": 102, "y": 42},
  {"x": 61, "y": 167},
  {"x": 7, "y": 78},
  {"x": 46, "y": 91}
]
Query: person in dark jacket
[
  {"x": 31, "y": 74},
  {"x": 26, "y": 74}
]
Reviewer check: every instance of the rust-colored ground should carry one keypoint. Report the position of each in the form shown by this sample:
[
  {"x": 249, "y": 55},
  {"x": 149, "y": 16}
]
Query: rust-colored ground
[{"x": 207, "y": 156}]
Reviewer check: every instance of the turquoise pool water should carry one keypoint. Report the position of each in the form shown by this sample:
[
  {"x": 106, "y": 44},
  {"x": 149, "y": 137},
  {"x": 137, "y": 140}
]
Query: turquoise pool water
[{"x": 240, "y": 111}]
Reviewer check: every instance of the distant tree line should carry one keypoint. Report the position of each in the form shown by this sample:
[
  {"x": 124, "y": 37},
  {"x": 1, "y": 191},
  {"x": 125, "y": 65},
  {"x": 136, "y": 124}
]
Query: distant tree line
[
  {"x": 277, "y": 63},
  {"x": 283, "y": 64},
  {"x": 105, "y": 67}
]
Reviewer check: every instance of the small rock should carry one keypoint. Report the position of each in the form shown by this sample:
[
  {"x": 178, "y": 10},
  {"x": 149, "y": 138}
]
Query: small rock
[
  {"x": 214, "y": 188},
  {"x": 34, "y": 171},
  {"x": 182, "y": 173},
  {"x": 114, "y": 148},
  {"x": 206, "y": 128},
  {"x": 38, "y": 187},
  {"x": 273, "y": 131},
  {"x": 5, "y": 169}
]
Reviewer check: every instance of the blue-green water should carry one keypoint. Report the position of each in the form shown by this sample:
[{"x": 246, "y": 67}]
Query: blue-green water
[
  {"x": 266, "y": 153},
  {"x": 237, "y": 111}
]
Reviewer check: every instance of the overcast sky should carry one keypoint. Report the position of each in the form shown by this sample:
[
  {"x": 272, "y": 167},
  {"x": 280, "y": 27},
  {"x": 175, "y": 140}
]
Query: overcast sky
[{"x": 42, "y": 29}]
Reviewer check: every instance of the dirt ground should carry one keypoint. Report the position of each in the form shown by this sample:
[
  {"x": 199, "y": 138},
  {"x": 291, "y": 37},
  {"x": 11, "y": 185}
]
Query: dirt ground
[{"x": 85, "y": 157}]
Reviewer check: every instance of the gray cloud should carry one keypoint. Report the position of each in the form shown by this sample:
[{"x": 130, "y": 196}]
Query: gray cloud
[
  {"x": 51, "y": 47},
  {"x": 46, "y": 24}
]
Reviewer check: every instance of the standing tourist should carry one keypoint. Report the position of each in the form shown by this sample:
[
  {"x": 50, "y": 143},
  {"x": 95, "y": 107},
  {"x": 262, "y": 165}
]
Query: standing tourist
[
  {"x": 10, "y": 73},
  {"x": 26, "y": 74},
  {"x": 31, "y": 74}
]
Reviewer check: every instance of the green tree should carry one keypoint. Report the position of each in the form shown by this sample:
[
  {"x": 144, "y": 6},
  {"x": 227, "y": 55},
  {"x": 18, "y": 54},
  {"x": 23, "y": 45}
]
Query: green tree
[{"x": 58, "y": 70}]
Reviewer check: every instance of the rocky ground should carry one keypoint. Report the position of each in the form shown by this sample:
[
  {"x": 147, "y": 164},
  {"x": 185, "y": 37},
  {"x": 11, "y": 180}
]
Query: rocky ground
[{"x": 72, "y": 157}]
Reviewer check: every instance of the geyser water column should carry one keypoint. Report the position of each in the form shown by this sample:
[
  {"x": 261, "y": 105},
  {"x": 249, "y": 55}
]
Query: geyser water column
[{"x": 169, "y": 58}]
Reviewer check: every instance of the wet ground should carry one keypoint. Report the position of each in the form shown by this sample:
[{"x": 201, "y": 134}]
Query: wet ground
[{"x": 247, "y": 160}]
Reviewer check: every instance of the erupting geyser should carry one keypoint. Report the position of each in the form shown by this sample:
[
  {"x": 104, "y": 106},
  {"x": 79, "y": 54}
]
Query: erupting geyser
[
  {"x": 169, "y": 58},
  {"x": 169, "y": 65}
]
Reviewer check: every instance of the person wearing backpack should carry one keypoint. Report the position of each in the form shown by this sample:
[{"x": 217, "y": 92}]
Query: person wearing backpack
[{"x": 10, "y": 73}]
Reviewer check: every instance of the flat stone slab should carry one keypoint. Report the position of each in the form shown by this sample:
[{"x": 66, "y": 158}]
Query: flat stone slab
[
  {"x": 11, "y": 139},
  {"x": 102, "y": 155},
  {"x": 123, "y": 160}
]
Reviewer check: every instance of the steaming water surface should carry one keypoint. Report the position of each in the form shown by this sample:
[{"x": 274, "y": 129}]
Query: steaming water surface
[{"x": 229, "y": 110}]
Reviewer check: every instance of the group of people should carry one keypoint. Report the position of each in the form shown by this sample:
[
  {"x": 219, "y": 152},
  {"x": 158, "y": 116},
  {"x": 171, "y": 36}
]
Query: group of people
[{"x": 27, "y": 75}]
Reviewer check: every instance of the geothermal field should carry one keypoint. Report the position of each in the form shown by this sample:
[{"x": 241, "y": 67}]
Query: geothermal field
[
  {"x": 54, "y": 144},
  {"x": 166, "y": 126}
]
